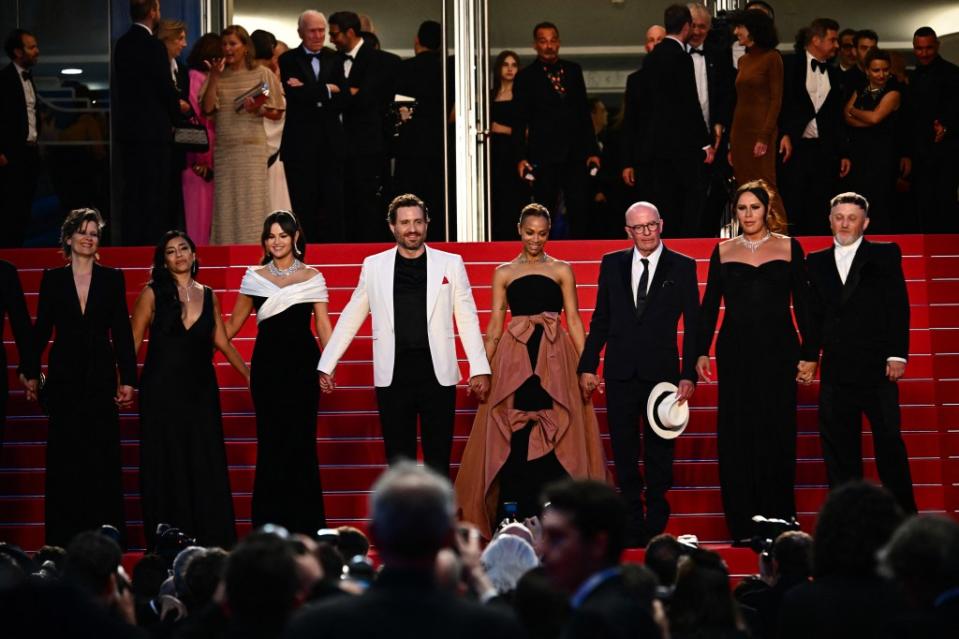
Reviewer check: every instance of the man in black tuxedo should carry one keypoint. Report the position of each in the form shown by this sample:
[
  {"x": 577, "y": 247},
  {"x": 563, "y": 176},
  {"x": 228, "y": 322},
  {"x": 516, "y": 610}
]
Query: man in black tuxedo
[
  {"x": 581, "y": 547},
  {"x": 811, "y": 118},
  {"x": 419, "y": 145},
  {"x": 368, "y": 91},
  {"x": 634, "y": 163},
  {"x": 860, "y": 314},
  {"x": 412, "y": 520},
  {"x": 933, "y": 130},
  {"x": 642, "y": 293},
  {"x": 675, "y": 139},
  {"x": 314, "y": 142},
  {"x": 553, "y": 133},
  {"x": 19, "y": 153},
  {"x": 145, "y": 104},
  {"x": 715, "y": 86}
]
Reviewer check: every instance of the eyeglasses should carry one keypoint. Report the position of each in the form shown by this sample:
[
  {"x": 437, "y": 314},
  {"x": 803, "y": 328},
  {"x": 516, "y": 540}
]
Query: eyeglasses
[{"x": 644, "y": 228}]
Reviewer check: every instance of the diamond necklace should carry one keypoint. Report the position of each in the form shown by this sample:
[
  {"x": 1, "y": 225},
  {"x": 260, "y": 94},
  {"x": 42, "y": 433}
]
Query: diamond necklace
[
  {"x": 753, "y": 245},
  {"x": 284, "y": 272}
]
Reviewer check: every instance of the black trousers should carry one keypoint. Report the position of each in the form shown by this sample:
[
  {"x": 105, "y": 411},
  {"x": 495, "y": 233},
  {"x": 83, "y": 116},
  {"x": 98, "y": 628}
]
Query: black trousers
[
  {"x": 363, "y": 188},
  {"x": 146, "y": 211},
  {"x": 423, "y": 177},
  {"x": 18, "y": 184},
  {"x": 807, "y": 182},
  {"x": 316, "y": 194},
  {"x": 935, "y": 178},
  {"x": 841, "y": 408},
  {"x": 568, "y": 178},
  {"x": 626, "y": 415},
  {"x": 415, "y": 393},
  {"x": 677, "y": 186}
]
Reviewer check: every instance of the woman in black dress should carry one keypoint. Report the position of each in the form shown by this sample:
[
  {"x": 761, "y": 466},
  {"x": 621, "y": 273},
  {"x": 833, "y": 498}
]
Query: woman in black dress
[
  {"x": 285, "y": 293},
  {"x": 85, "y": 304},
  {"x": 183, "y": 471},
  {"x": 872, "y": 114},
  {"x": 506, "y": 187},
  {"x": 757, "y": 275},
  {"x": 535, "y": 426}
]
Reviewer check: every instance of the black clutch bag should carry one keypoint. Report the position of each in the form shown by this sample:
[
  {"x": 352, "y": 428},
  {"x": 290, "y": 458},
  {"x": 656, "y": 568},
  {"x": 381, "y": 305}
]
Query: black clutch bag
[{"x": 190, "y": 135}]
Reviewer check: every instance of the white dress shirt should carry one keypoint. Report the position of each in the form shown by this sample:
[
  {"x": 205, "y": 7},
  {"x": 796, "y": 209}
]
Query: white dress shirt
[
  {"x": 30, "y": 101},
  {"x": 637, "y": 270},
  {"x": 817, "y": 85},
  {"x": 844, "y": 256},
  {"x": 702, "y": 83},
  {"x": 348, "y": 62},
  {"x": 314, "y": 61}
]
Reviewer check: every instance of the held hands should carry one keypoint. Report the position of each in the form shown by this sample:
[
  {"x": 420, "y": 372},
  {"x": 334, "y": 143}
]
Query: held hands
[
  {"x": 806, "y": 372},
  {"x": 124, "y": 398},
  {"x": 895, "y": 370},
  {"x": 327, "y": 384},
  {"x": 589, "y": 382},
  {"x": 703, "y": 369},
  {"x": 31, "y": 386},
  {"x": 479, "y": 386}
]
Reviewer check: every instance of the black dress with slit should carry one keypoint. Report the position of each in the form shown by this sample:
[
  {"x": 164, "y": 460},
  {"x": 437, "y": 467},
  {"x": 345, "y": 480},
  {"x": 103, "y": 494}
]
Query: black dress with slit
[
  {"x": 184, "y": 479},
  {"x": 757, "y": 352}
]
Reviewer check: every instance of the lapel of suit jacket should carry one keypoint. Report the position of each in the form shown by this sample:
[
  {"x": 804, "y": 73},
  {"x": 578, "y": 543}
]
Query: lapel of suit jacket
[
  {"x": 626, "y": 272},
  {"x": 384, "y": 273},
  {"x": 801, "y": 86},
  {"x": 855, "y": 271},
  {"x": 832, "y": 280},
  {"x": 435, "y": 270},
  {"x": 662, "y": 269}
]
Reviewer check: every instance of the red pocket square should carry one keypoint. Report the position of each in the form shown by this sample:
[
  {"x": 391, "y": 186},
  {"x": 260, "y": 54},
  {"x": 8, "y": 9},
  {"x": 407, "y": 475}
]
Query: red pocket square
[{"x": 445, "y": 281}]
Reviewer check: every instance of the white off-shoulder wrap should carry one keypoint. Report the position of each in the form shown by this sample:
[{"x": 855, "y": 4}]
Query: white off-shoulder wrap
[{"x": 280, "y": 298}]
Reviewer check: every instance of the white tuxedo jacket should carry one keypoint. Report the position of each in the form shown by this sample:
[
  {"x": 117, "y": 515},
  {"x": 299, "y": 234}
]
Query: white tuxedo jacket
[{"x": 448, "y": 294}]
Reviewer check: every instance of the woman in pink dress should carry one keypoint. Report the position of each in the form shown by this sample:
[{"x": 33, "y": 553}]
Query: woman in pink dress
[{"x": 198, "y": 173}]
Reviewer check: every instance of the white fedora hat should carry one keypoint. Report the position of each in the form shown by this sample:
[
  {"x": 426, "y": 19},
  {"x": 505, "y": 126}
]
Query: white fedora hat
[{"x": 667, "y": 418}]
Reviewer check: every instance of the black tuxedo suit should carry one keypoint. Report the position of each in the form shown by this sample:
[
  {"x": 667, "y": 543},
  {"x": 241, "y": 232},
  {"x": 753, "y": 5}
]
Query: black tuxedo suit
[
  {"x": 314, "y": 143},
  {"x": 13, "y": 305},
  {"x": 419, "y": 146},
  {"x": 18, "y": 179},
  {"x": 641, "y": 351},
  {"x": 860, "y": 324},
  {"x": 145, "y": 105},
  {"x": 364, "y": 113},
  {"x": 611, "y": 612},
  {"x": 673, "y": 138},
  {"x": 554, "y": 133},
  {"x": 811, "y": 177},
  {"x": 399, "y": 604},
  {"x": 634, "y": 119},
  {"x": 721, "y": 88}
]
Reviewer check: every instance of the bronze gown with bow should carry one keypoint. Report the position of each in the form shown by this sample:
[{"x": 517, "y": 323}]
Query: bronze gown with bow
[{"x": 534, "y": 427}]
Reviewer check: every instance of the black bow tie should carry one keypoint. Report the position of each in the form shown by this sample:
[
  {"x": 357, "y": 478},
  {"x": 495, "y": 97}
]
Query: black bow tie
[
  {"x": 699, "y": 51},
  {"x": 816, "y": 65},
  {"x": 26, "y": 75},
  {"x": 347, "y": 56}
]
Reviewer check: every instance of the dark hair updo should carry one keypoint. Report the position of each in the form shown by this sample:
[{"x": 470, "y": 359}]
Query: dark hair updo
[
  {"x": 290, "y": 226},
  {"x": 534, "y": 210}
]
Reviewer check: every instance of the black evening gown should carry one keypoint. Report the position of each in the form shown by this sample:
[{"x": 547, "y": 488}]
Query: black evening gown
[
  {"x": 875, "y": 163},
  {"x": 184, "y": 480},
  {"x": 756, "y": 356},
  {"x": 286, "y": 395},
  {"x": 508, "y": 189},
  {"x": 84, "y": 488},
  {"x": 521, "y": 480}
]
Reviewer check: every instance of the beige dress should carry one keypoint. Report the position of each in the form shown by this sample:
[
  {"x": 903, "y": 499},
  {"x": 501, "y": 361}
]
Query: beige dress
[{"x": 242, "y": 196}]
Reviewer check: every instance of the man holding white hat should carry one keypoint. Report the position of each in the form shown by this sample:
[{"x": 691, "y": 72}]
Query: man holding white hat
[{"x": 643, "y": 292}]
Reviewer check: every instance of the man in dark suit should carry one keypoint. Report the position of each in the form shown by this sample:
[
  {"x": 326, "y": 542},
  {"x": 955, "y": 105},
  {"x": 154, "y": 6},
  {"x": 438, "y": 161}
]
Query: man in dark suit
[
  {"x": 146, "y": 104},
  {"x": 715, "y": 86},
  {"x": 811, "y": 118},
  {"x": 581, "y": 547},
  {"x": 553, "y": 133},
  {"x": 675, "y": 138},
  {"x": 369, "y": 88},
  {"x": 19, "y": 154},
  {"x": 860, "y": 314},
  {"x": 642, "y": 293},
  {"x": 412, "y": 520},
  {"x": 419, "y": 145},
  {"x": 314, "y": 143},
  {"x": 633, "y": 118},
  {"x": 14, "y": 306},
  {"x": 933, "y": 130}
]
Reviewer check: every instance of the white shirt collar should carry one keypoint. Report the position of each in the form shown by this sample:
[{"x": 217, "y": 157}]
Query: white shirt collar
[
  {"x": 308, "y": 52},
  {"x": 810, "y": 57},
  {"x": 20, "y": 70},
  {"x": 652, "y": 257},
  {"x": 352, "y": 52},
  {"x": 847, "y": 249},
  {"x": 149, "y": 30}
]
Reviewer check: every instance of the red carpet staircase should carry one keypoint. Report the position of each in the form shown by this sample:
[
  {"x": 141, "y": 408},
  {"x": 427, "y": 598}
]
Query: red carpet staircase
[{"x": 348, "y": 435}]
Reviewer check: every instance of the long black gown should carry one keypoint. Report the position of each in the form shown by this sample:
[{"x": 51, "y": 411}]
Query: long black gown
[
  {"x": 875, "y": 164},
  {"x": 84, "y": 487},
  {"x": 508, "y": 190},
  {"x": 756, "y": 356},
  {"x": 184, "y": 480},
  {"x": 286, "y": 394}
]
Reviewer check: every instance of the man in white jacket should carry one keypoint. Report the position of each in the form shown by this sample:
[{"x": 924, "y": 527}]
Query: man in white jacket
[{"x": 413, "y": 293}]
